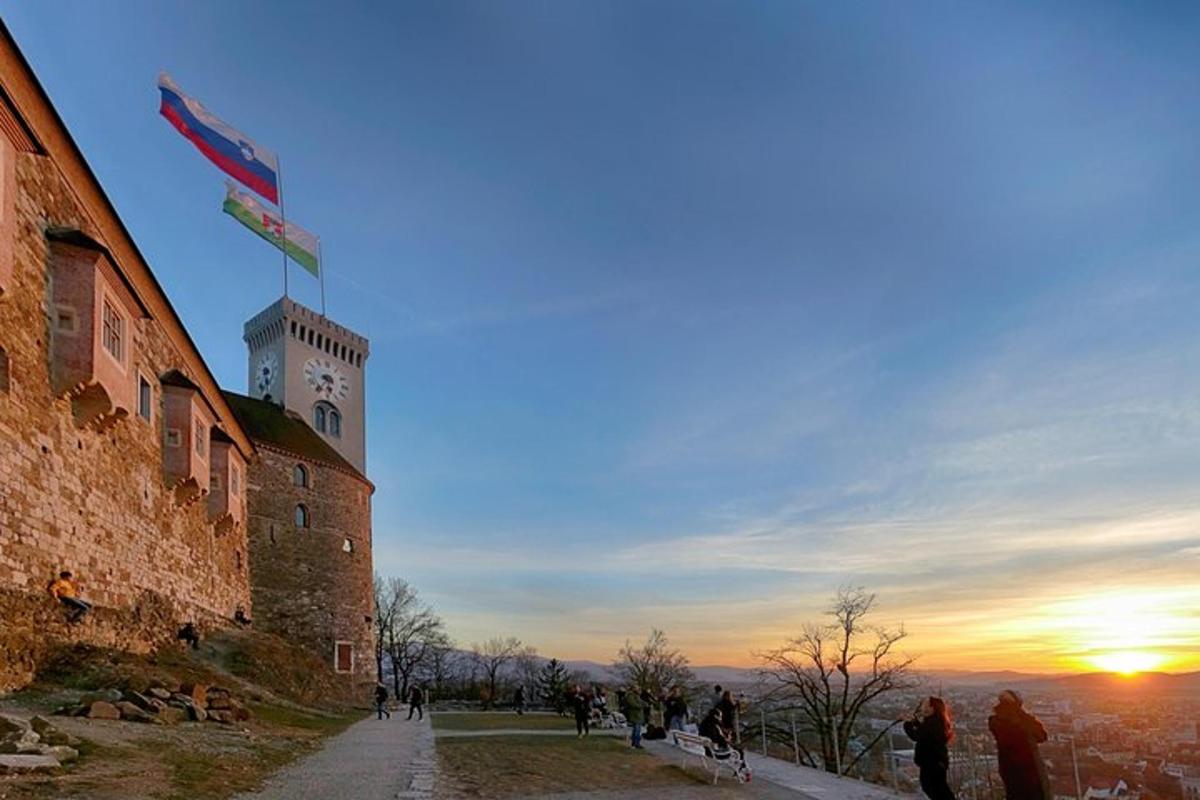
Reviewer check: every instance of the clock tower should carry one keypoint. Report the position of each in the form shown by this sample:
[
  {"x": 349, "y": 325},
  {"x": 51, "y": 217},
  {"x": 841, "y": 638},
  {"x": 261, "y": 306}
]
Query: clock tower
[{"x": 312, "y": 367}]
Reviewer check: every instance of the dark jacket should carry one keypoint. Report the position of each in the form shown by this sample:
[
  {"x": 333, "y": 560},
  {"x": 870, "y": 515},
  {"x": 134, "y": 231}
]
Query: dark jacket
[
  {"x": 381, "y": 694},
  {"x": 416, "y": 697},
  {"x": 676, "y": 707},
  {"x": 1018, "y": 735},
  {"x": 711, "y": 729},
  {"x": 932, "y": 745},
  {"x": 581, "y": 705}
]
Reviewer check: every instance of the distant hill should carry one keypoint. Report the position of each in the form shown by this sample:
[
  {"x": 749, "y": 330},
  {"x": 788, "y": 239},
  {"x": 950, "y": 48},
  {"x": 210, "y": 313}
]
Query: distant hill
[{"x": 1145, "y": 683}]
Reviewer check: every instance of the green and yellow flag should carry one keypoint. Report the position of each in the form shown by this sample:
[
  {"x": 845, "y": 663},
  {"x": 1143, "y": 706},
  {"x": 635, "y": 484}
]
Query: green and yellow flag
[{"x": 300, "y": 245}]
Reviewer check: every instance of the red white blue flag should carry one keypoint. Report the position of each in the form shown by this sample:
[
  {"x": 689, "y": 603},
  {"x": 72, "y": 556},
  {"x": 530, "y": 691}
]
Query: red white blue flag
[{"x": 225, "y": 146}]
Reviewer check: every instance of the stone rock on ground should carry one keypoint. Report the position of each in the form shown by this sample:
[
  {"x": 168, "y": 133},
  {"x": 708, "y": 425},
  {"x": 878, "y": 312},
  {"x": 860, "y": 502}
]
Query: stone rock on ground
[
  {"x": 171, "y": 715},
  {"x": 10, "y": 725},
  {"x": 102, "y": 709},
  {"x": 106, "y": 695},
  {"x": 141, "y": 701},
  {"x": 196, "y": 692},
  {"x": 132, "y": 713},
  {"x": 28, "y": 763},
  {"x": 159, "y": 693},
  {"x": 62, "y": 753}
]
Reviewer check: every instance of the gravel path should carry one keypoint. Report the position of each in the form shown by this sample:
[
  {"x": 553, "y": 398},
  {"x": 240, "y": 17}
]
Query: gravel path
[
  {"x": 371, "y": 760},
  {"x": 451, "y": 734}
]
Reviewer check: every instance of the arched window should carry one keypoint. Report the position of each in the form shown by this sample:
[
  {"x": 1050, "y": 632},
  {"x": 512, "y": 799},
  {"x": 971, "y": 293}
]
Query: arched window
[
  {"x": 327, "y": 419},
  {"x": 302, "y": 520},
  {"x": 300, "y": 476}
]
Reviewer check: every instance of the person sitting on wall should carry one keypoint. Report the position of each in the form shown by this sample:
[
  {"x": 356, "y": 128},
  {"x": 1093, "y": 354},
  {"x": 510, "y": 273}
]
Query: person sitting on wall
[
  {"x": 239, "y": 616},
  {"x": 189, "y": 635},
  {"x": 65, "y": 591}
]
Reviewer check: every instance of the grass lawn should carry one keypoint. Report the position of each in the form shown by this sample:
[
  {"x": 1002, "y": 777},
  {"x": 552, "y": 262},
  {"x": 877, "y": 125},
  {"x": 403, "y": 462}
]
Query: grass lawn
[
  {"x": 496, "y": 720},
  {"x": 495, "y": 767}
]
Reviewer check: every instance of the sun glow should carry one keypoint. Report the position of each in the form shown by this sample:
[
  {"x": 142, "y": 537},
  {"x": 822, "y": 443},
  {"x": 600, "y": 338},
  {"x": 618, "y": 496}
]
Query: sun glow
[{"x": 1127, "y": 662}]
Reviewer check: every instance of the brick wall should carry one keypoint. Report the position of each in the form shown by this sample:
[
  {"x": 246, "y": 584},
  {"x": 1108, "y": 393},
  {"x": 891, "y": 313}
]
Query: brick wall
[
  {"x": 306, "y": 585},
  {"x": 93, "y": 501}
]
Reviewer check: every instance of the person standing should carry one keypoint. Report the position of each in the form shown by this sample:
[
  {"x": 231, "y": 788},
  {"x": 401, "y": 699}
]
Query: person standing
[
  {"x": 519, "y": 701},
  {"x": 731, "y": 718},
  {"x": 66, "y": 591},
  {"x": 1018, "y": 734},
  {"x": 381, "y": 698},
  {"x": 931, "y": 728},
  {"x": 676, "y": 710},
  {"x": 416, "y": 701},
  {"x": 583, "y": 711},
  {"x": 634, "y": 709}
]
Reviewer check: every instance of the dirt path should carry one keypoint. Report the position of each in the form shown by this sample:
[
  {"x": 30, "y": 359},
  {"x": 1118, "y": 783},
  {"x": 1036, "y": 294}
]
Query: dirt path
[{"x": 371, "y": 760}]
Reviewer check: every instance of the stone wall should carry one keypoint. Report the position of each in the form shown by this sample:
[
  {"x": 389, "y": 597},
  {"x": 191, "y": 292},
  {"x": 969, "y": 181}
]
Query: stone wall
[
  {"x": 80, "y": 498},
  {"x": 308, "y": 584}
]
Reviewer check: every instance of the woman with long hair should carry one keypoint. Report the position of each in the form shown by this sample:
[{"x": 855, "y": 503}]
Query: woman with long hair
[
  {"x": 932, "y": 729},
  {"x": 1018, "y": 734}
]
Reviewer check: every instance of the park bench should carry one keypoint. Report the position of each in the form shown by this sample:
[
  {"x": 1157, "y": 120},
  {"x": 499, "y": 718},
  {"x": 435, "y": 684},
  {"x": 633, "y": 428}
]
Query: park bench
[{"x": 711, "y": 757}]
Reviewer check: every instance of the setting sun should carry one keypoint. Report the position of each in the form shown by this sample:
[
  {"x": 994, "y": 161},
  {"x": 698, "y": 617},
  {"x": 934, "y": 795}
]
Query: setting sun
[{"x": 1127, "y": 662}]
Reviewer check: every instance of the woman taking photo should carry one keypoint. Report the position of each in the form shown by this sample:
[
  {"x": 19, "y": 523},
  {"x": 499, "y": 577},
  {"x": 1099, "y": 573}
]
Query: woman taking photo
[{"x": 933, "y": 731}]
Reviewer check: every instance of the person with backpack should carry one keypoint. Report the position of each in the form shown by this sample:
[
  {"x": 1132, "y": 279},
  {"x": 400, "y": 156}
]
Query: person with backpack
[
  {"x": 416, "y": 699},
  {"x": 381, "y": 698}
]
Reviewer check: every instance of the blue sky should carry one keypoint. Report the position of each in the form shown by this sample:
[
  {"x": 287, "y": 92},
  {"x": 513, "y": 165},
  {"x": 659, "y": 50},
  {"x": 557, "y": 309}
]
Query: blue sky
[{"x": 683, "y": 314}]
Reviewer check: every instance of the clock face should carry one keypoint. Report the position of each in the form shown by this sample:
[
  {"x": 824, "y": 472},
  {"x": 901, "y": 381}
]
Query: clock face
[
  {"x": 264, "y": 373},
  {"x": 326, "y": 379}
]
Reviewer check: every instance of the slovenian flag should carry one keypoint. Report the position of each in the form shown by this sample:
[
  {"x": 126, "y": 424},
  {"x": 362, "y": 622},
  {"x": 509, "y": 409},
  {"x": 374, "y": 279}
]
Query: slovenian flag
[
  {"x": 226, "y": 147},
  {"x": 300, "y": 245}
]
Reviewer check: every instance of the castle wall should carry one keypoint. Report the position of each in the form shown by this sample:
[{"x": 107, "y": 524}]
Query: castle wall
[
  {"x": 306, "y": 585},
  {"x": 93, "y": 499}
]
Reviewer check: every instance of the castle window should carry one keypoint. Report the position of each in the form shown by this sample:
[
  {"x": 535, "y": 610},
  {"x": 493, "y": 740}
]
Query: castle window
[
  {"x": 64, "y": 319},
  {"x": 271, "y": 533},
  {"x": 335, "y": 424},
  {"x": 4, "y": 377},
  {"x": 174, "y": 437},
  {"x": 319, "y": 415},
  {"x": 293, "y": 329},
  {"x": 343, "y": 657},
  {"x": 300, "y": 476},
  {"x": 302, "y": 518},
  {"x": 201, "y": 437},
  {"x": 145, "y": 398},
  {"x": 214, "y": 483},
  {"x": 347, "y": 546},
  {"x": 235, "y": 480},
  {"x": 113, "y": 332}
]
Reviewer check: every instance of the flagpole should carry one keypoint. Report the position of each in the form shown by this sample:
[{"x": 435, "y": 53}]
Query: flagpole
[
  {"x": 321, "y": 273},
  {"x": 283, "y": 222}
]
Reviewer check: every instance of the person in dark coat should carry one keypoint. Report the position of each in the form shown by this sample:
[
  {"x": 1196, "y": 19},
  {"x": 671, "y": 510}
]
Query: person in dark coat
[
  {"x": 1018, "y": 734},
  {"x": 712, "y": 729},
  {"x": 381, "y": 698},
  {"x": 676, "y": 710},
  {"x": 519, "y": 700},
  {"x": 582, "y": 706},
  {"x": 416, "y": 703},
  {"x": 932, "y": 730}
]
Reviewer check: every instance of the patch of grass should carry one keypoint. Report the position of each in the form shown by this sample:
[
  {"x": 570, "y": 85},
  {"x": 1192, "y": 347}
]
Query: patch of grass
[
  {"x": 325, "y": 724},
  {"x": 203, "y": 774},
  {"x": 498, "y": 767},
  {"x": 498, "y": 720}
]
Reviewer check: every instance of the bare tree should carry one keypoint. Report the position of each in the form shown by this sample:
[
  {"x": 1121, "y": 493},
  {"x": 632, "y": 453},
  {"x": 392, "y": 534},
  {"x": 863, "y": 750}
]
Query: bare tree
[
  {"x": 491, "y": 656},
  {"x": 407, "y": 631},
  {"x": 528, "y": 668},
  {"x": 388, "y": 592},
  {"x": 654, "y": 665},
  {"x": 832, "y": 671}
]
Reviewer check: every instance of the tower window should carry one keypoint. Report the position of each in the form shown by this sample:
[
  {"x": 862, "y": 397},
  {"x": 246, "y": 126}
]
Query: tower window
[
  {"x": 300, "y": 476},
  {"x": 293, "y": 329},
  {"x": 145, "y": 398},
  {"x": 4, "y": 367},
  {"x": 347, "y": 546},
  {"x": 201, "y": 436},
  {"x": 113, "y": 332},
  {"x": 302, "y": 518},
  {"x": 327, "y": 419}
]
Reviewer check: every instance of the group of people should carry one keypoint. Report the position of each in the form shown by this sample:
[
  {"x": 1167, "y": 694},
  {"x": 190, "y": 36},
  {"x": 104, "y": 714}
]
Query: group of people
[
  {"x": 1017, "y": 732},
  {"x": 650, "y": 715},
  {"x": 416, "y": 702}
]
